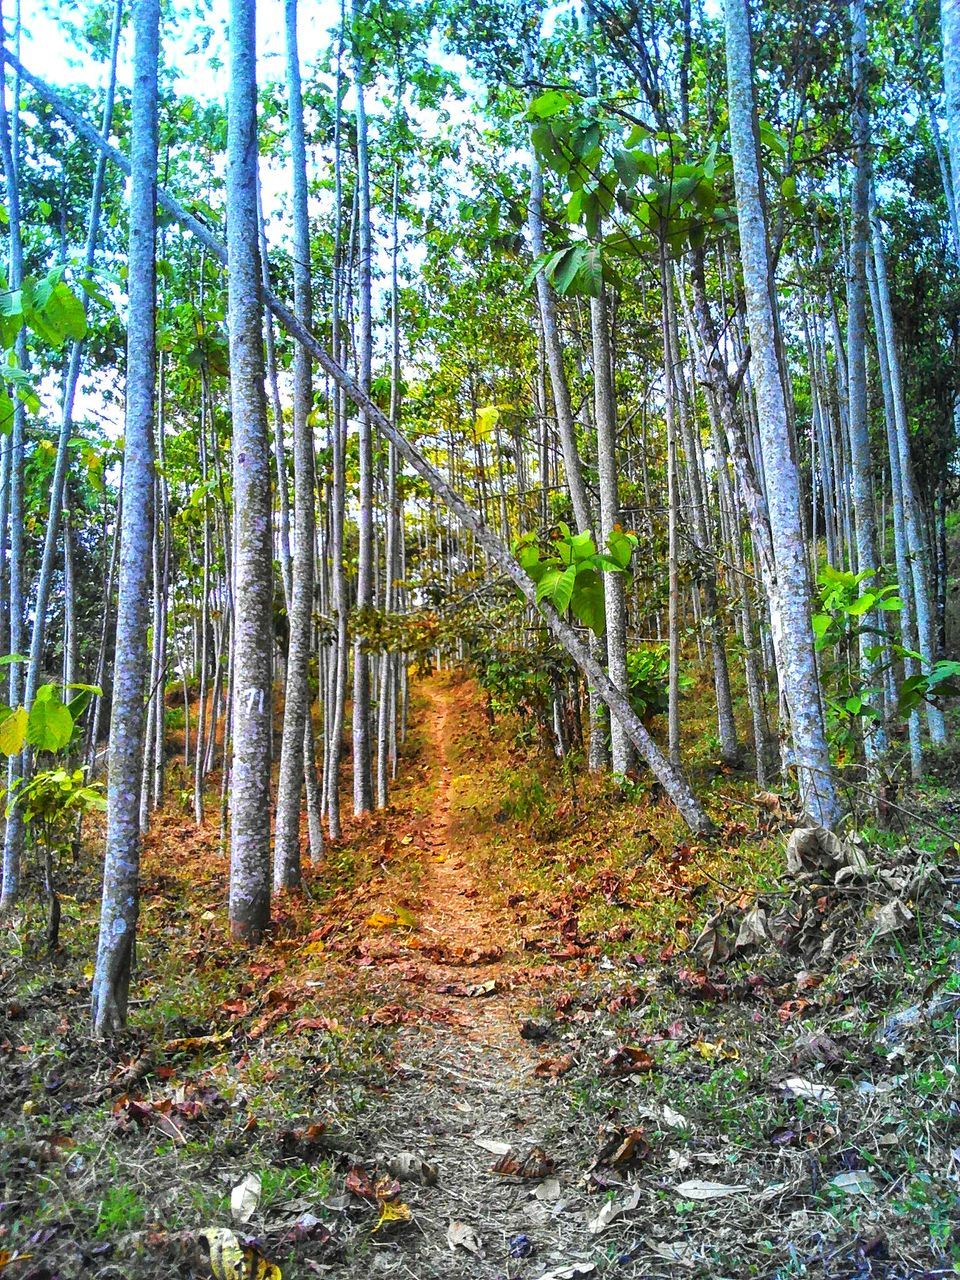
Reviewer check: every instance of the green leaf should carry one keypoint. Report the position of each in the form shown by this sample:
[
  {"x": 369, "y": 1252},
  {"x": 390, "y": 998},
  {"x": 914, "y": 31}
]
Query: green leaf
[
  {"x": 628, "y": 167},
  {"x": 50, "y": 724},
  {"x": 550, "y": 103},
  {"x": 565, "y": 272},
  {"x": 65, "y": 312},
  {"x": 862, "y": 604},
  {"x": 587, "y": 602},
  {"x": 563, "y": 590},
  {"x": 621, "y": 547}
]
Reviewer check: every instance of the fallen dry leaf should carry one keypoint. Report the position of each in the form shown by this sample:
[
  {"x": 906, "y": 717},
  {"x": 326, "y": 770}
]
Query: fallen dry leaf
[
  {"x": 810, "y": 1090},
  {"x": 495, "y": 1147},
  {"x": 229, "y": 1260},
  {"x": 245, "y": 1197},
  {"x": 412, "y": 1168},
  {"x": 460, "y": 1235},
  {"x": 696, "y": 1189},
  {"x": 393, "y": 1212},
  {"x": 553, "y": 1068},
  {"x": 628, "y": 1058}
]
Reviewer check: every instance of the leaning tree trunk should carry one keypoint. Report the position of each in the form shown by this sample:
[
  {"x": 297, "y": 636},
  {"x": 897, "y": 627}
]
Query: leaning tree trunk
[
  {"x": 253, "y": 564},
  {"x": 790, "y": 603},
  {"x": 121, "y": 870}
]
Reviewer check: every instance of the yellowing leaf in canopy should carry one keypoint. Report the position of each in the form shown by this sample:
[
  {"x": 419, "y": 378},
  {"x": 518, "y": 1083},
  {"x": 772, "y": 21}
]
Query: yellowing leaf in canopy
[
  {"x": 13, "y": 731},
  {"x": 487, "y": 418}
]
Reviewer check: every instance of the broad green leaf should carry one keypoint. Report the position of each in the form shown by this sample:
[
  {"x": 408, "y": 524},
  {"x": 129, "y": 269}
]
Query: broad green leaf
[
  {"x": 550, "y": 103},
  {"x": 863, "y": 604},
  {"x": 587, "y": 602},
  {"x": 50, "y": 724},
  {"x": 621, "y": 547},
  {"x": 563, "y": 590}
]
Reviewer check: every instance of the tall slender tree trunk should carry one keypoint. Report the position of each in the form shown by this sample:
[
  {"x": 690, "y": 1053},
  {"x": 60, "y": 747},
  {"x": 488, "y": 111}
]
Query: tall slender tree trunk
[
  {"x": 121, "y": 871},
  {"x": 286, "y": 857},
  {"x": 362, "y": 779},
  {"x": 919, "y": 563},
  {"x": 875, "y": 738},
  {"x": 950, "y": 29},
  {"x": 386, "y": 709},
  {"x": 615, "y": 605},
  {"x": 790, "y": 603},
  {"x": 338, "y": 582},
  {"x": 553, "y": 348},
  {"x": 13, "y": 835},
  {"x": 907, "y": 610},
  {"x": 253, "y": 561}
]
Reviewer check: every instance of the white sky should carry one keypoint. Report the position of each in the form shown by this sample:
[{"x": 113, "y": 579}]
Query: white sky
[{"x": 48, "y": 50}]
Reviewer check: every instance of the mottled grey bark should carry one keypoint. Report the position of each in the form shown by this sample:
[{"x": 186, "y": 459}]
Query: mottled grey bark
[
  {"x": 13, "y": 835},
  {"x": 861, "y": 471},
  {"x": 161, "y": 636},
  {"x": 253, "y": 562},
  {"x": 950, "y": 30},
  {"x": 700, "y": 523},
  {"x": 121, "y": 869},
  {"x": 907, "y": 628},
  {"x": 790, "y": 604},
  {"x": 673, "y": 576},
  {"x": 933, "y": 124},
  {"x": 912, "y": 513},
  {"x": 386, "y": 707},
  {"x": 337, "y": 693},
  {"x": 553, "y": 347},
  {"x": 296, "y": 709},
  {"x": 362, "y": 777},
  {"x": 614, "y": 593}
]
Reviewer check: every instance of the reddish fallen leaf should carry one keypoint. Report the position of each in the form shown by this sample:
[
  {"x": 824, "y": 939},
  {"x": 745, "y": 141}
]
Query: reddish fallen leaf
[
  {"x": 320, "y": 1023},
  {"x": 359, "y": 1183},
  {"x": 236, "y": 1008},
  {"x": 791, "y": 1008},
  {"x": 391, "y": 1015},
  {"x": 533, "y": 1166},
  {"x": 553, "y": 1068},
  {"x": 628, "y": 1058},
  {"x": 633, "y": 1146}
]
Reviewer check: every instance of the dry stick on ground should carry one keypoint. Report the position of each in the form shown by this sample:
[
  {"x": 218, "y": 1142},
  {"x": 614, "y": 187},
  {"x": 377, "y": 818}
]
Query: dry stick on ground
[{"x": 672, "y": 780}]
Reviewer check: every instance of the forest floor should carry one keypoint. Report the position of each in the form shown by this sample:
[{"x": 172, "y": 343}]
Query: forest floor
[{"x": 506, "y": 1030}]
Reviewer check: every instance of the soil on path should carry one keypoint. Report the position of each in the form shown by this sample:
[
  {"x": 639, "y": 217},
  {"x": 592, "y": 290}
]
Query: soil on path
[{"x": 465, "y": 1077}]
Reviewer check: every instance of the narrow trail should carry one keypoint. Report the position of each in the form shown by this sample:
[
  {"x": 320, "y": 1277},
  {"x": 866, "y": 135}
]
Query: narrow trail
[
  {"x": 464, "y": 1076},
  {"x": 471, "y": 944}
]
